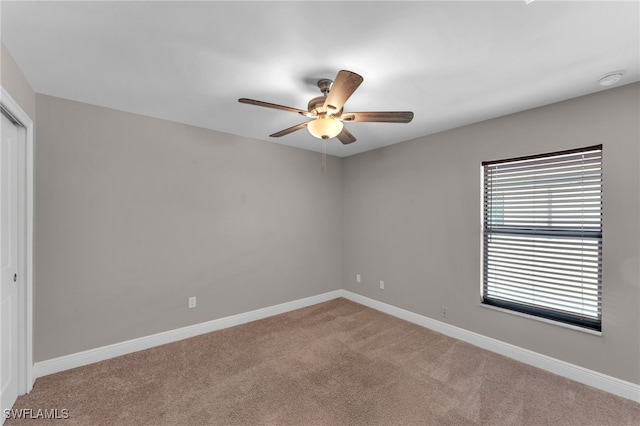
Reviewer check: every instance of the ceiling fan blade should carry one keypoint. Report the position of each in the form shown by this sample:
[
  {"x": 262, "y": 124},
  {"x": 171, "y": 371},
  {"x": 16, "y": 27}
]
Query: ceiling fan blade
[
  {"x": 378, "y": 116},
  {"x": 289, "y": 130},
  {"x": 345, "y": 84},
  {"x": 270, "y": 105},
  {"x": 346, "y": 137}
]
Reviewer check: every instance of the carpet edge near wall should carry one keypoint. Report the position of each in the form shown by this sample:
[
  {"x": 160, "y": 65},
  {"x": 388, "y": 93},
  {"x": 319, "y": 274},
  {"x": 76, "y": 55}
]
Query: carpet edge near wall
[{"x": 570, "y": 371}]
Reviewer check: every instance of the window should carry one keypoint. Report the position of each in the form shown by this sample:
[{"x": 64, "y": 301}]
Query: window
[{"x": 542, "y": 225}]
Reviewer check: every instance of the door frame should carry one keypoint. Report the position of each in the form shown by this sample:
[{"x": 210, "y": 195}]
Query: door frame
[{"x": 25, "y": 241}]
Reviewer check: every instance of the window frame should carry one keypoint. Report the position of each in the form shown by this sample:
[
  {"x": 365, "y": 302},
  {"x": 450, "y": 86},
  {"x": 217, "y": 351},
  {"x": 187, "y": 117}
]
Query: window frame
[{"x": 547, "y": 314}]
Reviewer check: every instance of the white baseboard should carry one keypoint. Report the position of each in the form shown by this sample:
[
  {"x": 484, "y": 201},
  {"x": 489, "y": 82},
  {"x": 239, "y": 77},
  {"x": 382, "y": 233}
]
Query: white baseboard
[
  {"x": 571, "y": 371},
  {"x": 90, "y": 356},
  {"x": 561, "y": 368}
]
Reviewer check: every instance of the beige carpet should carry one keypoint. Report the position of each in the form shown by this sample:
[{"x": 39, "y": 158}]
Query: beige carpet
[{"x": 336, "y": 363}]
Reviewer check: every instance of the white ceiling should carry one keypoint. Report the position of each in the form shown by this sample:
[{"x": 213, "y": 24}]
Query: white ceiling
[{"x": 452, "y": 63}]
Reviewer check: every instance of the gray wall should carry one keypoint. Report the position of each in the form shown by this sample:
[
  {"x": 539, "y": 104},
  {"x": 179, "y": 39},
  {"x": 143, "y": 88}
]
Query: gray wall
[
  {"x": 135, "y": 214},
  {"x": 412, "y": 218}
]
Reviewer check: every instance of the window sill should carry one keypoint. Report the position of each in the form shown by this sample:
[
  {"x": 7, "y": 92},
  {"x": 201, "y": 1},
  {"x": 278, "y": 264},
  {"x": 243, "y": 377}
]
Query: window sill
[{"x": 545, "y": 320}]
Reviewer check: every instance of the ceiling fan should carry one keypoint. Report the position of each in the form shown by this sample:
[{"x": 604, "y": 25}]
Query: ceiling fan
[{"x": 327, "y": 110}]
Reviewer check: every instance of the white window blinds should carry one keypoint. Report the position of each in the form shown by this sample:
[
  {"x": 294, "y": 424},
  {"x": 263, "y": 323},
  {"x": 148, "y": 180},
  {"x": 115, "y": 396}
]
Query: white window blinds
[{"x": 543, "y": 235}]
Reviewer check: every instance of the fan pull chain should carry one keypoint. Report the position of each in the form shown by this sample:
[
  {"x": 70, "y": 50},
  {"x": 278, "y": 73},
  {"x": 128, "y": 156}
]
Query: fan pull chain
[{"x": 324, "y": 156}]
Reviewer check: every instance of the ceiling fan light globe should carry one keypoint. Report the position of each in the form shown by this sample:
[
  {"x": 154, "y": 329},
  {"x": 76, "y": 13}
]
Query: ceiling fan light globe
[{"x": 325, "y": 127}]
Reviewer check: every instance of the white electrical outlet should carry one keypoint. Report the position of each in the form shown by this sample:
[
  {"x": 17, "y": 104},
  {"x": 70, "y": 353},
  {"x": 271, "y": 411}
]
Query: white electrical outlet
[
  {"x": 192, "y": 302},
  {"x": 357, "y": 278},
  {"x": 382, "y": 284},
  {"x": 444, "y": 312}
]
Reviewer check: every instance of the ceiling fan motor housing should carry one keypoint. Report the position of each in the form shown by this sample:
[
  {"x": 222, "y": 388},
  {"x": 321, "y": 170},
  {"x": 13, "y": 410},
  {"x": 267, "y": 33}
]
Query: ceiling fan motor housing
[{"x": 316, "y": 103}]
